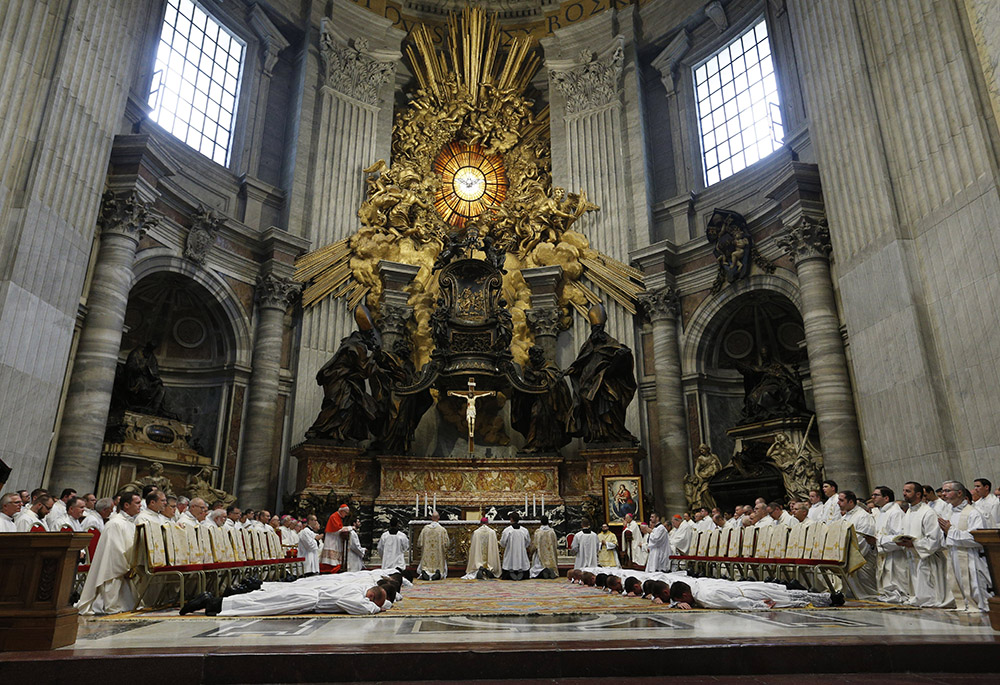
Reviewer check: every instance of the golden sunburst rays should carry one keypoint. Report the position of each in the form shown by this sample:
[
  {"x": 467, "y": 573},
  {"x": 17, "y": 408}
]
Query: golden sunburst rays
[
  {"x": 327, "y": 272},
  {"x": 473, "y": 57},
  {"x": 471, "y": 182},
  {"x": 620, "y": 281}
]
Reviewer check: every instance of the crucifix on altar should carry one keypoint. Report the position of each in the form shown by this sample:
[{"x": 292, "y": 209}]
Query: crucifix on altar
[{"x": 470, "y": 396}]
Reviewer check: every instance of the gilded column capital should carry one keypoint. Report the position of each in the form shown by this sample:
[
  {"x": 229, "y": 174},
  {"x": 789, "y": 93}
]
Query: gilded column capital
[
  {"x": 661, "y": 304},
  {"x": 592, "y": 84},
  {"x": 275, "y": 292},
  {"x": 125, "y": 214},
  {"x": 543, "y": 320},
  {"x": 201, "y": 236},
  {"x": 350, "y": 70},
  {"x": 806, "y": 239}
]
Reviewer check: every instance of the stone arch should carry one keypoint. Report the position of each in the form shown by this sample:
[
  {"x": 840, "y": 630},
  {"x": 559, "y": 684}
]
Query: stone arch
[
  {"x": 705, "y": 320},
  {"x": 153, "y": 262}
]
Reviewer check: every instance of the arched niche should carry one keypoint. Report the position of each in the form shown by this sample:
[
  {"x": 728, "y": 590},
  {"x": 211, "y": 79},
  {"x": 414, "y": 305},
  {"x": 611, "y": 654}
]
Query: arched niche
[
  {"x": 202, "y": 343},
  {"x": 735, "y": 326}
]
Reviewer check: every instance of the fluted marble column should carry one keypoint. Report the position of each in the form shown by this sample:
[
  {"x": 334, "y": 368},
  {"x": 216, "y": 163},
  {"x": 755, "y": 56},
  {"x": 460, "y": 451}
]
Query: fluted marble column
[
  {"x": 123, "y": 220},
  {"x": 274, "y": 295},
  {"x": 807, "y": 242},
  {"x": 662, "y": 307}
]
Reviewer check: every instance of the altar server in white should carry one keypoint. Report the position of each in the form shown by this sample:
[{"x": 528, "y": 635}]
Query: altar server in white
[
  {"x": 393, "y": 546},
  {"x": 584, "y": 547},
  {"x": 515, "y": 540}
]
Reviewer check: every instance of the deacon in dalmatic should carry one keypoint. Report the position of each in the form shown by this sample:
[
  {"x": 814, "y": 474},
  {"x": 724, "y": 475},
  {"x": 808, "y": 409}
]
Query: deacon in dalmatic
[
  {"x": 544, "y": 563},
  {"x": 433, "y": 543},
  {"x": 484, "y": 553}
]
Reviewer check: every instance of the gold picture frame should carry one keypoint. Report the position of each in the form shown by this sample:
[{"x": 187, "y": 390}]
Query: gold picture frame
[{"x": 622, "y": 495}]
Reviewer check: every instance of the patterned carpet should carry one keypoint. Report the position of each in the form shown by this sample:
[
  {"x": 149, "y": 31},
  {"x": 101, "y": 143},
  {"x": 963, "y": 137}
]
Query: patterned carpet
[{"x": 456, "y": 597}]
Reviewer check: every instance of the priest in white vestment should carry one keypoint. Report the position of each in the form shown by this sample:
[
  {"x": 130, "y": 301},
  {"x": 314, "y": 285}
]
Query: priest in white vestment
[
  {"x": 893, "y": 572},
  {"x": 309, "y": 548},
  {"x": 107, "y": 590},
  {"x": 986, "y": 502},
  {"x": 484, "y": 553},
  {"x": 32, "y": 516},
  {"x": 70, "y": 518},
  {"x": 864, "y": 581},
  {"x": 969, "y": 568},
  {"x": 682, "y": 535},
  {"x": 393, "y": 546},
  {"x": 633, "y": 541},
  {"x": 831, "y": 507},
  {"x": 584, "y": 547},
  {"x": 433, "y": 543},
  {"x": 10, "y": 506},
  {"x": 816, "y": 505},
  {"x": 355, "y": 552},
  {"x": 657, "y": 546},
  {"x": 544, "y": 554},
  {"x": 515, "y": 541},
  {"x": 924, "y": 541},
  {"x": 58, "y": 509}
]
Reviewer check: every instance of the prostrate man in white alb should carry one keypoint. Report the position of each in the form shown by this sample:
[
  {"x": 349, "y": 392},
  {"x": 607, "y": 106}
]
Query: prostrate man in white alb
[
  {"x": 10, "y": 506},
  {"x": 633, "y": 541},
  {"x": 515, "y": 540},
  {"x": 924, "y": 541},
  {"x": 971, "y": 573},
  {"x": 107, "y": 591},
  {"x": 864, "y": 581},
  {"x": 657, "y": 546},
  {"x": 341, "y": 593},
  {"x": 584, "y": 547},
  {"x": 393, "y": 546},
  {"x": 433, "y": 543},
  {"x": 32, "y": 516},
  {"x": 715, "y": 593},
  {"x": 893, "y": 572},
  {"x": 544, "y": 555},
  {"x": 484, "y": 553},
  {"x": 355, "y": 552},
  {"x": 309, "y": 547},
  {"x": 986, "y": 502}
]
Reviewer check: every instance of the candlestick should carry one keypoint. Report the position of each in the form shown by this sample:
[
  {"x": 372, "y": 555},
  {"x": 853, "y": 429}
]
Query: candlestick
[
  {"x": 543, "y": 504},
  {"x": 425, "y": 506},
  {"x": 435, "y": 507},
  {"x": 416, "y": 507},
  {"x": 534, "y": 505},
  {"x": 525, "y": 504}
]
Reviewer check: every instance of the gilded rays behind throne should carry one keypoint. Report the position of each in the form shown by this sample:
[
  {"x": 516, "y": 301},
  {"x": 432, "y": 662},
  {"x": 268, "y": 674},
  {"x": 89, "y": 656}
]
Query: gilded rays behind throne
[{"x": 470, "y": 148}]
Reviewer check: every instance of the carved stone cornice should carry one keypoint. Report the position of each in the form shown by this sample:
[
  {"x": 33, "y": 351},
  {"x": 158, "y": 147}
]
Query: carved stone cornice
[
  {"x": 201, "y": 236},
  {"x": 661, "y": 304},
  {"x": 275, "y": 292},
  {"x": 806, "y": 239},
  {"x": 272, "y": 41},
  {"x": 593, "y": 84},
  {"x": 668, "y": 61},
  {"x": 348, "y": 69},
  {"x": 394, "y": 317},
  {"x": 543, "y": 320},
  {"x": 125, "y": 214}
]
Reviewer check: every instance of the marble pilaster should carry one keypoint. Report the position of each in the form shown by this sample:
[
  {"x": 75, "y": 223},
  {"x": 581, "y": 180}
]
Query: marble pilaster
[
  {"x": 124, "y": 218},
  {"x": 807, "y": 242},
  {"x": 663, "y": 307},
  {"x": 274, "y": 295}
]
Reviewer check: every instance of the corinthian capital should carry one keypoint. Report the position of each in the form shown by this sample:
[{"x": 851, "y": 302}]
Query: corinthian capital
[
  {"x": 593, "y": 84},
  {"x": 807, "y": 239},
  {"x": 125, "y": 214},
  {"x": 661, "y": 304},
  {"x": 349, "y": 70},
  {"x": 276, "y": 292},
  {"x": 394, "y": 317},
  {"x": 543, "y": 320}
]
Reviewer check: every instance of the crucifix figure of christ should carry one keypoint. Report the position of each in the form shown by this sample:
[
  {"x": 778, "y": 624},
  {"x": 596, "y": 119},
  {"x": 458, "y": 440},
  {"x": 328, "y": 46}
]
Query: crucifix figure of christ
[{"x": 470, "y": 396}]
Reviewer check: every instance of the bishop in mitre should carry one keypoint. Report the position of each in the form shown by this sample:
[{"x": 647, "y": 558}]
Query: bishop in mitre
[
  {"x": 484, "y": 554},
  {"x": 107, "y": 589},
  {"x": 544, "y": 559},
  {"x": 433, "y": 542}
]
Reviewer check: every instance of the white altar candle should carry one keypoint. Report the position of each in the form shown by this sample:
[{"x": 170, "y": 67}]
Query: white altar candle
[
  {"x": 543, "y": 504},
  {"x": 425, "y": 505},
  {"x": 534, "y": 505},
  {"x": 416, "y": 507},
  {"x": 435, "y": 507},
  {"x": 525, "y": 504}
]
